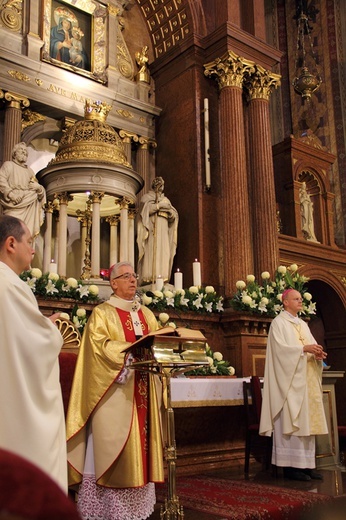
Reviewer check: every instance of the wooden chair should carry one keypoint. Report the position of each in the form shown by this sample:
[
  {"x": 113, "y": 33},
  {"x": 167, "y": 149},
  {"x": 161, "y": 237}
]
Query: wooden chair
[{"x": 253, "y": 405}]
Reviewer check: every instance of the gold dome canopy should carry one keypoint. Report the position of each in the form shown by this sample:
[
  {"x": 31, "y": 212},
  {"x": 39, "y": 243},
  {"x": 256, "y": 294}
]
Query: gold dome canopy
[{"x": 92, "y": 139}]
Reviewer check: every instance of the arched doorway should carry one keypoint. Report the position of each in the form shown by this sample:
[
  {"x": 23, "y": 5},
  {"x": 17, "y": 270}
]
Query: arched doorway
[{"x": 329, "y": 329}]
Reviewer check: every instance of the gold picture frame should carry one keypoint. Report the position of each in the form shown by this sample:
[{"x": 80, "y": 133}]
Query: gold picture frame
[{"x": 74, "y": 35}]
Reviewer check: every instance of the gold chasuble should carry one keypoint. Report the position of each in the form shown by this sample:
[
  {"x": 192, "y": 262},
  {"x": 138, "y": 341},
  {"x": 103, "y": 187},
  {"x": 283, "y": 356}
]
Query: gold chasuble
[{"x": 121, "y": 406}]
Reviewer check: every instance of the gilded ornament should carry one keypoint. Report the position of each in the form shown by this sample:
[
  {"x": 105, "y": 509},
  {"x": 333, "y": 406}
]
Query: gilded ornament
[
  {"x": 230, "y": 70},
  {"x": 11, "y": 14},
  {"x": 261, "y": 83},
  {"x": 30, "y": 118},
  {"x": 125, "y": 113},
  {"x": 92, "y": 139},
  {"x": 16, "y": 74}
]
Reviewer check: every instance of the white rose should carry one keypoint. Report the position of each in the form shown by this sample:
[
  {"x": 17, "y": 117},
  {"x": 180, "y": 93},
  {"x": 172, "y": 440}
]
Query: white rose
[
  {"x": 180, "y": 291},
  {"x": 293, "y": 268},
  {"x": 231, "y": 371},
  {"x": 94, "y": 290},
  {"x": 146, "y": 299},
  {"x": 264, "y": 300},
  {"x": 163, "y": 317},
  {"x": 35, "y": 272},
  {"x": 72, "y": 282},
  {"x": 210, "y": 361},
  {"x": 250, "y": 278},
  {"x": 218, "y": 356},
  {"x": 168, "y": 294},
  {"x": 240, "y": 284},
  {"x": 209, "y": 289},
  {"x": 193, "y": 289},
  {"x": 265, "y": 275},
  {"x": 81, "y": 313},
  {"x": 279, "y": 297},
  {"x": 282, "y": 269},
  {"x": 64, "y": 316},
  {"x": 307, "y": 296},
  {"x": 246, "y": 299},
  {"x": 172, "y": 324},
  {"x": 158, "y": 294},
  {"x": 53, "y": 276}
]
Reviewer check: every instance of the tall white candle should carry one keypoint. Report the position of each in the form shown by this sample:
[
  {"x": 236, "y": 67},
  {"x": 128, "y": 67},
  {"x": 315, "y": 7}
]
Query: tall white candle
[
  {"x": 53, "y": 268},
  {"x": 178, "y": 280},
  {"x": 196, "y": 271},
  {"x": 159, "y": 283},
  {"x": 206, "y": 143}
]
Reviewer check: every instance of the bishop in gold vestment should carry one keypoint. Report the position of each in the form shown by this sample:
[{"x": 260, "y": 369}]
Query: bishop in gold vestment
[{"x": 114, "y": 421}]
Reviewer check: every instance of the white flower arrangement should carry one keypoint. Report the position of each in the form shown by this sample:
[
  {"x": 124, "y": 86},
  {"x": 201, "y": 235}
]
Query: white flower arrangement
[
  {"x": 50, "y": 285},
  {"x": 217, "y": 366},
  {"x": 196, "y": 299},
  {"x": 266, "y": 298}
]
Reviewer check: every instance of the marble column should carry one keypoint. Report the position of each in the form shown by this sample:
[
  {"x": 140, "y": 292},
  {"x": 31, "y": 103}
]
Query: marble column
[
  {"x": 262, "y": 189},
  {"x": 64, "y": 199},
  {"x": 143, "y": 162},
  {"x": 47, "y": 247},
  {"x": 95, "y": 198},
  {"x": 13, "y": 122},
  {"x": 127, "y": 138},
  {"x": 230, "y": 71},
  {"x": 124, "y": 230},
  {"x": 113, "y": 221},
  {"x": 132, "y": 216}
]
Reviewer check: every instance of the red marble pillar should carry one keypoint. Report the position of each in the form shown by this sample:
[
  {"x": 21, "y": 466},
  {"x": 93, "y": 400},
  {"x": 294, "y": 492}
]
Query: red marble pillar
[
  {"x": 238, "y": 255},
  {"x": 230, "y": 71},
  {"x": 262, "y": 186}
]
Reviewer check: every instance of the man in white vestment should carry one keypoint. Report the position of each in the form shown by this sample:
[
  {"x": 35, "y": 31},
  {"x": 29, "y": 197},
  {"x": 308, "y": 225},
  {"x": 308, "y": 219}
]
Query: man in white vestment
[
  {"x": 21, "y": 195},
  {"x": 32, "y": 413},
  {"x": 114, "y": 431},
  {"x": 292, "y": 408},
  {"x": 157, "y": 234}
]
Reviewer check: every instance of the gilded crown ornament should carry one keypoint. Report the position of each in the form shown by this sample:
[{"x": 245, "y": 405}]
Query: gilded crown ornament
[{"x": 96, "y": 110}]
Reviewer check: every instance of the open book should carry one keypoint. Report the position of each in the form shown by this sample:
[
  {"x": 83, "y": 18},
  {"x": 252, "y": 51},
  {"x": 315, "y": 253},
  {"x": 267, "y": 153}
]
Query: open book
[{"x": 172, "y": 346}]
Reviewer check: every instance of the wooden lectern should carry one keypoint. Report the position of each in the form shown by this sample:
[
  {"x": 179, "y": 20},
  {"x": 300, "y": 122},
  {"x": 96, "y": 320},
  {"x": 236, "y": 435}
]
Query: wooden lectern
[{"x": 166, "y": 353}]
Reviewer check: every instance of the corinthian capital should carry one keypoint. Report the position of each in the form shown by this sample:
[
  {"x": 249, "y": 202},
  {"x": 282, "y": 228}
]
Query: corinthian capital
[
  {"x": 229, "y": 70},
  {"x": 261, "y": 83}
]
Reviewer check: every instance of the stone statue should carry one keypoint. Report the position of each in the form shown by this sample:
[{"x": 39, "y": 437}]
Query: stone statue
[
  {"x": 20, "y": 193},
  {"x": 157, "y": 234},
  {"x": 142, "y": 60},
  {"x": 307, "y": 214}
]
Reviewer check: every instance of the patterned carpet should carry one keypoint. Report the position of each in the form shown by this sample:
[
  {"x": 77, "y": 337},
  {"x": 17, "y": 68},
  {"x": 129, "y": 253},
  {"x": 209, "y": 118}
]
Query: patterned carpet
[{"x": 236, "y": 500}]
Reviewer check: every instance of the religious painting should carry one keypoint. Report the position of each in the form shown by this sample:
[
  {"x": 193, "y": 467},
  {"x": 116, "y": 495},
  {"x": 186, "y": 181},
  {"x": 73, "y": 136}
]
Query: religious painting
[{"x": 74, "y": 34}]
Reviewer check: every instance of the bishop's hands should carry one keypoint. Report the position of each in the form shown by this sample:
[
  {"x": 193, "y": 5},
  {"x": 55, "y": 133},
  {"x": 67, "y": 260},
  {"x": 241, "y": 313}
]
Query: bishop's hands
[{"x": 316, "y": 350}]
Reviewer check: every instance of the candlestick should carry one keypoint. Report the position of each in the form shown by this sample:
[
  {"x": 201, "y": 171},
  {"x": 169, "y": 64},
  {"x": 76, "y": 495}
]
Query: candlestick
[
  {"x": 53, "y": 268},
  {"x": 159, "y": 283},
  {"x": 206, "y": 144},
  {"x": 178, "y": 280},
  {"x": 196, "y": 271}
]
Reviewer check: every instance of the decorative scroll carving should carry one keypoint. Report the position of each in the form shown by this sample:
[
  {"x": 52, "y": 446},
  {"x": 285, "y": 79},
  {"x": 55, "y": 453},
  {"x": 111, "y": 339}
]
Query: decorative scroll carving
[
  {"x": 11, "y": 14},
  {"x": 261, "y": 83},
  {"x": 230, "y": 70}
]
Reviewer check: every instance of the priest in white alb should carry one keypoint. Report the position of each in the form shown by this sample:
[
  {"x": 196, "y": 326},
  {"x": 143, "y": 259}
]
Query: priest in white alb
[{"x": 292, "y": 408}]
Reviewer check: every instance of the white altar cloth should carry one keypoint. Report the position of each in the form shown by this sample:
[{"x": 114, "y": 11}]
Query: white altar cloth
[{"x": 200, "y": 391}]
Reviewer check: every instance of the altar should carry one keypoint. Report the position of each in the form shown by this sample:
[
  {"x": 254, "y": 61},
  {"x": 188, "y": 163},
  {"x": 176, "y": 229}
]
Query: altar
[{"x": 211, "y": 423}]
